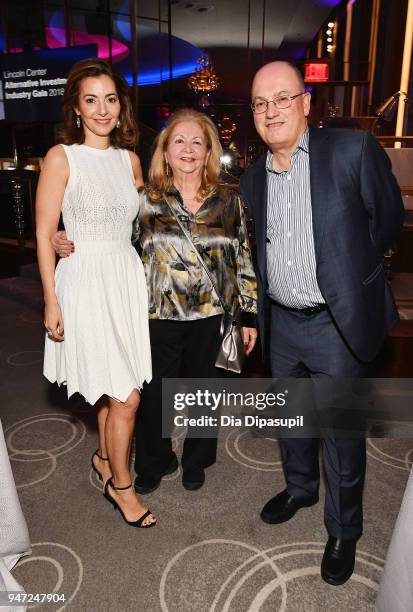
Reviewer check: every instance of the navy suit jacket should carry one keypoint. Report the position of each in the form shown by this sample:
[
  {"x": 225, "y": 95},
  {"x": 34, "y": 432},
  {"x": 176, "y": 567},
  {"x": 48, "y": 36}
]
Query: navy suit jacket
[{"x": 357, "y": 213}]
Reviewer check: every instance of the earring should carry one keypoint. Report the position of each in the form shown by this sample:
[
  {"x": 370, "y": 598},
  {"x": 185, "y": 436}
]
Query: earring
[
  {"x": 205, "y": 174},
  {"x": 118, "y": 123},
  {"x": 78, "y": 121},
  {"x": 167, "y": 168}
]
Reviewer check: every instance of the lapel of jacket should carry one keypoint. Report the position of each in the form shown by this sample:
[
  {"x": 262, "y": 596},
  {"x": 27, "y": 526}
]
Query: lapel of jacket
[
  {"x": 320, "y": 169},
  {"x": 260, "y": 214}
]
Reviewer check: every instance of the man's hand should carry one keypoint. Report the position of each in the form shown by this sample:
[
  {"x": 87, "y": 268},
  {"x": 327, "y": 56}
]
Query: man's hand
[
  {"x": 249, "y": 338},
  {"x": 62, "y": 245}
]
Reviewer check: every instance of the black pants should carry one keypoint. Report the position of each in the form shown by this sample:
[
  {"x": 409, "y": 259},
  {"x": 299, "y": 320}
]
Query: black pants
[{"x": 192, "y": 345}]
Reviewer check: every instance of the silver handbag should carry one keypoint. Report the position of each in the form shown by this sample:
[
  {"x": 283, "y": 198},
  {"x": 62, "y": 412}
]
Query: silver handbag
[{"x": 231, "y": 353}]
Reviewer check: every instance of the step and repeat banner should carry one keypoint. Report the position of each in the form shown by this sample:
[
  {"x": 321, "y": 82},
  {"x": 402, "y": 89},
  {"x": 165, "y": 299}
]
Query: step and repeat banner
[{"x": 32, "y": 84}]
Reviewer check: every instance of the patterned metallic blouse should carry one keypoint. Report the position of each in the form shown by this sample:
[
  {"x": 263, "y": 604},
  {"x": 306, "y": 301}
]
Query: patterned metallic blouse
[{"x": 178, "y": 286}]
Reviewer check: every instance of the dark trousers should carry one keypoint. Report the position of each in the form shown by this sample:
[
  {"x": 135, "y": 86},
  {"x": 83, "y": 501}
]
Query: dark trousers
[
  {"x": 311, "y": 346},
  {"x": 192, "y": 345}
]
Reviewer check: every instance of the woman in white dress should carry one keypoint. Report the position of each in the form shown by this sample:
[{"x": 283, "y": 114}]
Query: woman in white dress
[{"x": 96, "y": 307}]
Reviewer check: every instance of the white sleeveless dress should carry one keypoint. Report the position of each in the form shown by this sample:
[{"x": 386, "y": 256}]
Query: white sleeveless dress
[{"x": 101, "y": 287}]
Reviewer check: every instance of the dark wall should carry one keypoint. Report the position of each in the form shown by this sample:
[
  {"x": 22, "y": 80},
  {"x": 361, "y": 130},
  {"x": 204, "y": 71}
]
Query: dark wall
[{"x": 389, "y": 49}]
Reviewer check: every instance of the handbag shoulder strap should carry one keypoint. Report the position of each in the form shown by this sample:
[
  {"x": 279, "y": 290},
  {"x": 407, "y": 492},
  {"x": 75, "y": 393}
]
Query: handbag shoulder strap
[{"x": 201, "y": 261}]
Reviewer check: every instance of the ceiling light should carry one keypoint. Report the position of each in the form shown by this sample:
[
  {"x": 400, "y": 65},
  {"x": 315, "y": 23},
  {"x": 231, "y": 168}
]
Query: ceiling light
[
  {"x": 331, "y": 24},
  {"x": 226, "y": 159},
  {"x": 329, "y": 32},
  {"x": 206, "y": 7},
  {"x": 204, "y": 79}
]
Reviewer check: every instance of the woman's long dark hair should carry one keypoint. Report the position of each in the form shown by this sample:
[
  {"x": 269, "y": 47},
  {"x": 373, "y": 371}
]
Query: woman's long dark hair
[{"x": 126, "y": 135}]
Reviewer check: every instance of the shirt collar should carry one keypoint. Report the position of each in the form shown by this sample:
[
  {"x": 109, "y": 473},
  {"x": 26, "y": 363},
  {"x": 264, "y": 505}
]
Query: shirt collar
[
  {"x": 302, "y": 144},
  {"x": 173, "y": 191}
]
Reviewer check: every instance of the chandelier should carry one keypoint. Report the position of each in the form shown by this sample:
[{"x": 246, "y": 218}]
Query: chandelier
[
  {"x": 204, "y": 79},
  {"x": 226, "y": 129}
]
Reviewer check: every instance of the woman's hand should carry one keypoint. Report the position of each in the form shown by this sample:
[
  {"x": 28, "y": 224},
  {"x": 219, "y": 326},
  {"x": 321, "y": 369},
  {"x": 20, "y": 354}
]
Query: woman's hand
[
  {"x": 62, "y": 245},
  {"x": 249, "y": 338},
  {"x": 53, "y": 321}
]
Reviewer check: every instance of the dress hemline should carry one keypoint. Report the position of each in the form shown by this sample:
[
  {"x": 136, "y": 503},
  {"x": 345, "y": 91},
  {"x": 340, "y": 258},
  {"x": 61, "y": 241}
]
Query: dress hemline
[{"x": 93, "y": 402}]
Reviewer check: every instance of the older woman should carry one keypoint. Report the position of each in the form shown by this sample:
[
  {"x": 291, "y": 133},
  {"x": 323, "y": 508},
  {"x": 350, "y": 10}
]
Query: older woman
[{"x": 184, "y": 309}]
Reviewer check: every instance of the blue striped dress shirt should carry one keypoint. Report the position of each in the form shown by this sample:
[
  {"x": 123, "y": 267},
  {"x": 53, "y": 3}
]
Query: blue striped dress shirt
[{"x": 291, "y": 262}]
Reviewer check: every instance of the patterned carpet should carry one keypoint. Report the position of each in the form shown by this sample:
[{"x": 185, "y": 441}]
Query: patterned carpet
[{"x": 210, "y": 551}]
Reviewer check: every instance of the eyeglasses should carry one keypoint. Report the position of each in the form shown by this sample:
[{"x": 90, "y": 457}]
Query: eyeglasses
[{"x": 284, "y": 101}]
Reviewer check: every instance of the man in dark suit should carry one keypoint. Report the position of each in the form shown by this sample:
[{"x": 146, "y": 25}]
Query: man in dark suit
[{"x": 325, "y": 206}]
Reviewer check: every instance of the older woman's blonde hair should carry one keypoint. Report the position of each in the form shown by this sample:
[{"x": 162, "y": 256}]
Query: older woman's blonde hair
[{"x": 160, "y": 174}]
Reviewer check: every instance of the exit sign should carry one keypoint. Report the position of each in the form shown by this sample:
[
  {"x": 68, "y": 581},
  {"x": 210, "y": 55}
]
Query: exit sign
[{"x": 316, "y": 71}]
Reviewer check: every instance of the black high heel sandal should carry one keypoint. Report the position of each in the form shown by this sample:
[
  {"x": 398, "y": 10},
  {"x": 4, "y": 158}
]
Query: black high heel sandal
[
  {"x": 139, "y": 521},
  {"x": 93, "y": 465}
]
